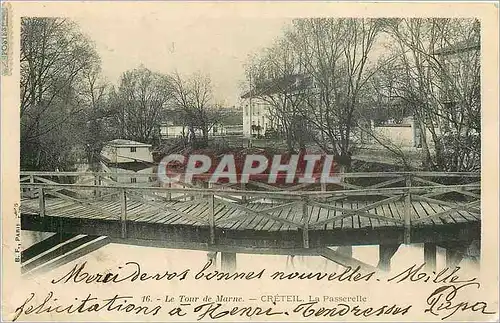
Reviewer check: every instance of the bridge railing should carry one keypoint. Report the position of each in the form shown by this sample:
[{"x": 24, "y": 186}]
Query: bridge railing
[
  {"x": 345, "y": 181},
  {"x": 232, "y": 208}
]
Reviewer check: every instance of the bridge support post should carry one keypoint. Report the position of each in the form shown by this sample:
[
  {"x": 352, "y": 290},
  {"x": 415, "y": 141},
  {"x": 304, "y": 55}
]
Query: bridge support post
[
  {"x": 123, "y": 214},
  {"x": 32, "y": 190},
  {"x": 97, "y": 182},
  {"x": 212, "y": 256},
  {"x": 41, "y": 201},
  {"x": 407, "y": 214},
  {"x": 430, "y": 256},
  {"x": 228, "y": 261},
  {"x": 169, "y": 194},
  {"x": 455, "y": 252},
  {"x": 385, "y": 253},
  {"x": 243, "y": 197},
  {"x": 305, "y": 223},
  {"x": 474, "y": 251},
  {"x": 211, "y": 203}
]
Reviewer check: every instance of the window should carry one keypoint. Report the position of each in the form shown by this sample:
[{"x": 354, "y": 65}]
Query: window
[
  {"x": 246, "y": 110},
  {"x": 133, "y": 180},
  {"x": 133, "y": 149}
]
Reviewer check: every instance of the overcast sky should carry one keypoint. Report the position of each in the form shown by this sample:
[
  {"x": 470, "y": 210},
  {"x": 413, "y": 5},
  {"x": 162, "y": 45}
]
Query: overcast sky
[{"x": 218, "y": 46}]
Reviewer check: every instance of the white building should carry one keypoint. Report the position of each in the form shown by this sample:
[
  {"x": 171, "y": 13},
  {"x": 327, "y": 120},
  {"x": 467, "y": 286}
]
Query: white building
[
  {"x": 174, "y": 131},
  {"x": 120, "y": 151},
  {"x": 405, "y": 134},
  {"x": 121, "y": 156},
  {"x": 256, "y": 112}
]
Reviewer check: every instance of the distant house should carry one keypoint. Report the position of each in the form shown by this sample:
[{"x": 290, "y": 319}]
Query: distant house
[
  {"x": 257, "y": 112},
  {"x": 170, "y": 130},
  {"x": 230, "y": 123},
  {"x": 459, "y": 62},
  {"x": 127, "y": 156},
  {"x": 404, "y": 134}
]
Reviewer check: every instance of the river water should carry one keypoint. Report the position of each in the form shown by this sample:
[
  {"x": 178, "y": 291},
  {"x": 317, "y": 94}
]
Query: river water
[{"x": 116, "y": 253}]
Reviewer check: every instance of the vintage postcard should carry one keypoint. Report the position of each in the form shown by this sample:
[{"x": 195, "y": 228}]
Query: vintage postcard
[{"x": 249, "y": 161}]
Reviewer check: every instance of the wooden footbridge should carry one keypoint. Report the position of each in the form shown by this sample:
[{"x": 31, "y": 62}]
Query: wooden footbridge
[{"x": 89, "y": 210}]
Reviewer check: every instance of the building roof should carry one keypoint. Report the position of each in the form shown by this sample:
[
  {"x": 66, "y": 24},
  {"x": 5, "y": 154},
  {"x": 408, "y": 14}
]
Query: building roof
[{"x": 126, "y": 143}]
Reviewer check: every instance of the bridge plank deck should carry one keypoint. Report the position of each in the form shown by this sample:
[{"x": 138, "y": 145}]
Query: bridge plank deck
[
  {"x": 254, "y": 222},
  {"x": 158, "y": 215},
  {"x": 458, "y": 217},
  {"x": 131, "y": 208},
  {"x": 321, "y": 215},
  {"x": 346, "y": 222},
  {"x": 316, "y": 214},
  {"x": 148, "y": 213},
  {"x": 444, "y": 219},
  {"x": 395, "y": 211},
  {"x": 376, "y": 211},
  {"x": 295, "y": 216},
  {"x": 198, "y": 212},
  {"x": 331, "y": 214},
  {"x": 190, "y": 209},
  {"x": 272, "y": 224},
  {"x": 364, "y": 222},
  {"x": 428, "y": 211},
  {"x": 467, "y": 216},
  {"x": 139, "y": 212},
  {"x": 420, "y": 213},
  {"x": 387, "y": 211},
  {"x": 263, "y": 221},
  {"x": 166, "y": 216},
  {"x": 222, "y": 212},
  {"x": 54, "y": 204},
  {"x": 278, "y": 226},
  {"x": 243, "y": 222},
  {"x": 233, "y": 215},
  {"x": 377, "y": 222}
]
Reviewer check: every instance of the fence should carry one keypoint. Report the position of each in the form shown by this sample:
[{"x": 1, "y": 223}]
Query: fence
[{"x": 180, "y": 198}]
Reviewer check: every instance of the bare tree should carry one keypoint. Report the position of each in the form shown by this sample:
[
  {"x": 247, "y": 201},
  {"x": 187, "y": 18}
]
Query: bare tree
[
  {"x": 54, "y": 55},
  {"x": 94, "y": 96},
  {"x": 439, "y": 77},
  {"x": 139, "y": 102},
  {"x": 277, "y": 83},
  {"x": 193, "y": 99},
  {"x": 328, "y": 61},
  {"x": 335, "y": 52}
]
